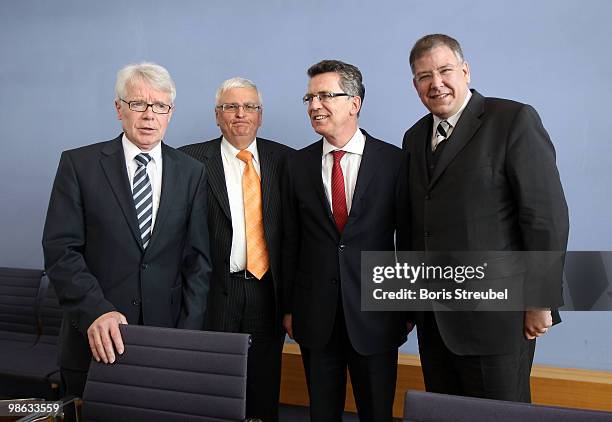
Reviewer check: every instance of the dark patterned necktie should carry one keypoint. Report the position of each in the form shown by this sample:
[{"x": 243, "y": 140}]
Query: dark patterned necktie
[
  {"x": 143, "y": 198},
  {"x": 441, "y": 133}
]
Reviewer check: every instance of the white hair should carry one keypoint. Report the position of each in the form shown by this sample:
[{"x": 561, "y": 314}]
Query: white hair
[
  {"x": 236, "y": 82},
  {"x": 151, "y": 73}
]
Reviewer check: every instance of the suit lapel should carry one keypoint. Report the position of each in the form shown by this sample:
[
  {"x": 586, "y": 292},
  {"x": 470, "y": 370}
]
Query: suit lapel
[
  {"x": 216, "y": 176},
  {"x": 114, "y": 166},
  {"x": 170, "y": 172},
  {"x": 468, "y": 124},
  {"x": 267, "y": 167},
  {"x": 367, "y": 169},
  {"x": 423, "y": 141},
  {"x": 314, "y": 169}
]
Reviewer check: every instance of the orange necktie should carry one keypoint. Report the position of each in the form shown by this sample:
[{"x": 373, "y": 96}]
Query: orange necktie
[{"x": 258, "y": 260}]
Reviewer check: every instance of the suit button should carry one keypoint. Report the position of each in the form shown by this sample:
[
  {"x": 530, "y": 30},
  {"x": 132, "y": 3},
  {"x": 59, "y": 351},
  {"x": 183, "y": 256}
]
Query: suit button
[
  {"x": 427, "y": 197},
  {"x": 144, "y": 266},
  {"x": 135, "y": 302},
  {"x": 334, "y": 281},
  {"x": 427, "y": 234},
  {"x": 341, "y": 247}
]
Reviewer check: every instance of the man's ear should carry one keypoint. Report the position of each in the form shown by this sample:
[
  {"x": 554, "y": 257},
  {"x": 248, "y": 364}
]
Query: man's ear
[
  {"x": 356, "y": 105},
  {"x": 118, "y": 108},
  {"x": 465, "y": 68}
]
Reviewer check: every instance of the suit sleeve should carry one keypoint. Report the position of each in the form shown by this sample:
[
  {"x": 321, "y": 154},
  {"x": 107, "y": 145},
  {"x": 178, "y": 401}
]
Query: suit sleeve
[
  {"x": 196, "y": 266},
  {"x": 402, "y": 211},
  {"x": 402, "y": 216},
  {"x": 542, "y": 209},
  {"x": 64, "y": 242},
  {"x": 291, "y": 237}
]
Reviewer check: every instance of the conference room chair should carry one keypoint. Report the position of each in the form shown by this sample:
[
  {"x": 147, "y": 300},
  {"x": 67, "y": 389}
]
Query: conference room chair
[
  {"x": 29, "y": 323},
  {"x": 170, "y": 375},
  {"x": 420, "y": 406}
]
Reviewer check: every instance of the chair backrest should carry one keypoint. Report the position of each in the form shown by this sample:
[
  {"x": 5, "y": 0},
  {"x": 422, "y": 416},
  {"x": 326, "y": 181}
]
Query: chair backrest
[
  {"x": 430, "y": 407},
  {"x": 171, "y": 375},
  {"x": 18, "y": 298}
]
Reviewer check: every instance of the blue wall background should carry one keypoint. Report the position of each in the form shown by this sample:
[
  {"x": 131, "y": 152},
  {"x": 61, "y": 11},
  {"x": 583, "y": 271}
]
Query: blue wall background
[{"x": 59, "y": 60}]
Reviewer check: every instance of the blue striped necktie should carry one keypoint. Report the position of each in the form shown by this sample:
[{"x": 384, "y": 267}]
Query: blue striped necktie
[{"x": 143, "y": 198}]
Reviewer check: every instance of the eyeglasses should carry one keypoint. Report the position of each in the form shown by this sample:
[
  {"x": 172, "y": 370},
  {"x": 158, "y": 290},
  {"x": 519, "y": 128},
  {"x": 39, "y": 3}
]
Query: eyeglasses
[
  {"x": 324, "y": 96},
  {"x": 142, "y": 106},
  {"x": 234, "y": 107}
]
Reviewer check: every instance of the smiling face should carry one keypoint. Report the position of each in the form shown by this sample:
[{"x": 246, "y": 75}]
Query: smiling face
[
  {"x": 239, "y": 127},
  {"x": 144, "y": 129},
  {"x": 336, "y": 118},
  {"x": 441, "y": 80}
]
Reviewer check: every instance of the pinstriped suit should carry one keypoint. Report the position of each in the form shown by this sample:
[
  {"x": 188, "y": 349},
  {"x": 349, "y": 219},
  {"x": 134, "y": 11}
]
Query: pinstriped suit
[{"x": 264, "y": 369}]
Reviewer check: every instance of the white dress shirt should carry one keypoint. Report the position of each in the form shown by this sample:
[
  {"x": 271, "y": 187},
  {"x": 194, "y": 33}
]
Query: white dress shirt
[
  {"x": 233, "y": 167},
  {"x": 452, "y": 120},
  {"x": 349, "y": 163},
  {"x": 154, "y": 170}
]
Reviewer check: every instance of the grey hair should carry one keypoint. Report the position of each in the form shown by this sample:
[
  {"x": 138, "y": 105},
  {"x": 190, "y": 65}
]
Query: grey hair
[
  {"x": 351, "y": 80},
  {"x": 431, "y": 41},
  {"x": 153, "y": 74},
  {"x": 236, "y": 82}
]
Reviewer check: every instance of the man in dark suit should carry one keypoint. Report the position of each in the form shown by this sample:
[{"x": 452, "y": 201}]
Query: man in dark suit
[
  {"x": 340, "y": 201},
  {"x": 245, "y": 224},
  {"x": 482, "y": 177},
  {"x": 125, "y": 239}
]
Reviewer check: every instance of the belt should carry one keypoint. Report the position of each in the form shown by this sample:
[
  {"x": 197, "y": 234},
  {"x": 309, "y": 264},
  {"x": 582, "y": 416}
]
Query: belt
[{"x": 243, "y": 274}]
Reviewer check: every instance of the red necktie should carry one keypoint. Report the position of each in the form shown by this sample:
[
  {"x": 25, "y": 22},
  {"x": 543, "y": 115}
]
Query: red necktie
[{"x": 337, "y": 190}]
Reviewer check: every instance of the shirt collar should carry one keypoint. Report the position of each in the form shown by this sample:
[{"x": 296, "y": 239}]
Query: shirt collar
[
  {"x": 355, "y": 145},
  {"x": 130, "y": 150},
  {"x": 455, "y": 117},
  {"x": 231, "y": 150}
]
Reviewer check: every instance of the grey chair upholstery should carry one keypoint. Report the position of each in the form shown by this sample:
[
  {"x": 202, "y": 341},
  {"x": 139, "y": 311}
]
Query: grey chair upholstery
[
  {"x": 27, "y": 367},
  {"x": 18, "y": 300},
  {"x": 49, "y": 314},
  {"x": 420, "y": 406},
  {"x": 49, "y": 321},
  {"x": 170, "y": 375}
]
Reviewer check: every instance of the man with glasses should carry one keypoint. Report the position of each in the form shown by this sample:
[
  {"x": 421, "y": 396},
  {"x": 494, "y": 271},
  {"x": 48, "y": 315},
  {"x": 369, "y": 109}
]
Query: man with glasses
[
  {"x": 126, "y": 239},
  {"x": 340, "y": 201},
  {"x": 245, "y": 224},
  {"x": 482, "y": 177}
]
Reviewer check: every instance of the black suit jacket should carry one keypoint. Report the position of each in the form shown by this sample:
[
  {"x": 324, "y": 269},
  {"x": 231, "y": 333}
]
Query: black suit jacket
[
  {"x": 320, "y": 264},
  {"x": 272, "y": 157},
  {"x": 495, "y": 188},
  {"x": 94, "y": 255}
]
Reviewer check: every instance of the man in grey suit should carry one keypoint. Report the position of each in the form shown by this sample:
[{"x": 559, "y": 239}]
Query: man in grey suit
[
  {"x": 482, "y": 177},
  {"x": 244, "y": 218},
  {"x": 123, "y": 240}
]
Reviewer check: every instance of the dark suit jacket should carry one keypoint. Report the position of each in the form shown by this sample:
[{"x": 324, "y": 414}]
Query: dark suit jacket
[
  {"x": 320, "y": 264},
  {"x": 94, "y": 255},
  {"x": 495, "y": 188},
  {"x": 272, "y": 157}
]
